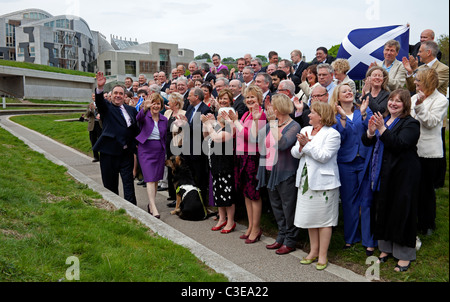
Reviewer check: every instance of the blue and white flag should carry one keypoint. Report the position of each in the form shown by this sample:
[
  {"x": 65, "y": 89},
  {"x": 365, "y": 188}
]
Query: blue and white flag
[
  {"x": 364, "y": 46},
  {"x": 138, "y": 105}
]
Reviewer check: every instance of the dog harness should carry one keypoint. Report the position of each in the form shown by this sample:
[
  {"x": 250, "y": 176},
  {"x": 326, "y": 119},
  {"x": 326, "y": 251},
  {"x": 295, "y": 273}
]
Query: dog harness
[{"x": 188, "y": 189}]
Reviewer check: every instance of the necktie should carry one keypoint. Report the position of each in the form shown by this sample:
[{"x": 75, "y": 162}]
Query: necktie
[
  {"x": 295, "y": 67},
  {"x": 192, "y": 115},
  {"x": 189, "y": 115},
  {"x": 125, "y": 115}
]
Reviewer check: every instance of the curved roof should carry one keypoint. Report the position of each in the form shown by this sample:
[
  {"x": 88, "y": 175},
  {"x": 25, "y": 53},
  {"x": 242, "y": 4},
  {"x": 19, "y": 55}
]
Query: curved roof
[
  {"x": 24, "y": 11},
  {"x": 79, "y": 24}
]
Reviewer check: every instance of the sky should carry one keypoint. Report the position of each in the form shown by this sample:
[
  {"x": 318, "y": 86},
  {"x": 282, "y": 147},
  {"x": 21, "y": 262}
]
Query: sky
[{"x": 233, "y": 28}]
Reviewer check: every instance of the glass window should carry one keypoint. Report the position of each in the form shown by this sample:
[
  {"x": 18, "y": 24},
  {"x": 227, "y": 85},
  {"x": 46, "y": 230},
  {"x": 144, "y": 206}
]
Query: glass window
[{"x": 130, "y": 68}]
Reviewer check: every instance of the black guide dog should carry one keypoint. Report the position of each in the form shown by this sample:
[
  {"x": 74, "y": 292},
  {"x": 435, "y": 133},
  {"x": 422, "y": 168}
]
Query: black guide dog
[{"x": 189, "y": 203}]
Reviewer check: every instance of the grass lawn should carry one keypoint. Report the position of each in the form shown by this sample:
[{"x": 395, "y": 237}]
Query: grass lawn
[
  {"x": 47, "y": 217},
  {"x": 432, "y": 264},
  {"x": 45, "y": 68}
]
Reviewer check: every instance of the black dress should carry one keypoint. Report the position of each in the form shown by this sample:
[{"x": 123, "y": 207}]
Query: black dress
[
  {"x": 396, "y": 200},
  {"x": 221, "y": 163}
]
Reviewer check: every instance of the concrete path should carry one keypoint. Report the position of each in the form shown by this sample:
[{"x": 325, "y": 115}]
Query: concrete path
[{"x": 225, "y": 253}]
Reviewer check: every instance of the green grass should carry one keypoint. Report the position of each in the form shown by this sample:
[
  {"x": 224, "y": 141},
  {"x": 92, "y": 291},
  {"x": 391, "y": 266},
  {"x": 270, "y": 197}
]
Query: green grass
[
  {"x": 432, "y": 264},
  {"x": 45, "y": 68},
  {"x": 46, "y": 217},
  {"x": 74, "y": 134}
]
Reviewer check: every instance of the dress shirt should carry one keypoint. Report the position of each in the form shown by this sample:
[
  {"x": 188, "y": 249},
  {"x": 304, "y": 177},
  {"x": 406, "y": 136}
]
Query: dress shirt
[{"x": 125, "y": 115}]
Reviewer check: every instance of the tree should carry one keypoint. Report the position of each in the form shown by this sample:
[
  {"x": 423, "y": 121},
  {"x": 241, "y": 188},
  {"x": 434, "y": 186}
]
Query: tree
[
  {"x": 333, "y": 51},
  {"x": 443, "y": 41},
  {"x": 203, "y": 57},
  {"x": 263, "y": 58}
]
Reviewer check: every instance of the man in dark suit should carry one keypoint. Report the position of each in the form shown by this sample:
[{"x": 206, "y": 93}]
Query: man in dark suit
[
  {"x": 322, "y": 56},
  {"x": 286, "y": 66},
  {"x": 192, "y": 145},
  {"x": 264, "y": 81},
  {"x": 165, "y": 84},
  {"x": 183, "y": 89},
  {"x": 426, "y": 35},
  {"x": 298, "y": 65},
  {"x": 208, "y": 77},
  {"x": 273, "y": 59},
  {"x": 117, "y": 144},
  {"x": 238, "y": 98}
]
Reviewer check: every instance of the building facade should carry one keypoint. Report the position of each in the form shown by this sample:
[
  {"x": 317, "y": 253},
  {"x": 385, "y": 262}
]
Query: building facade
[
  {"x": 66, "y": 41},
  {"x": 35, "y": 36}
]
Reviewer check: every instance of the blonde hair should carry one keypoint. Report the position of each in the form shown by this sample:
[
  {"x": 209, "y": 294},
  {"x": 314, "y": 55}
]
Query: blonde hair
[
  {"x": 429, "y": 79},
  {"x": 341, "y": 65},
  {"x": 177, "y": 98},
  {"x": 335, "y": 97},
  {"x": 326, "y": 113},
  {"x": 282, "y": 103},
  {"x": 254, "y": 90}
]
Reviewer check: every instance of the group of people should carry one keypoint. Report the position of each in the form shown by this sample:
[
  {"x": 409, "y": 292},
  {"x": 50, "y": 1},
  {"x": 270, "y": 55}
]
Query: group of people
[{"x": 295, "y": 134}]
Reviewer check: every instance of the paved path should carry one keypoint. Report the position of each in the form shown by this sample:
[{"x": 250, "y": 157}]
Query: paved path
[{"x": 225, "y": 253}]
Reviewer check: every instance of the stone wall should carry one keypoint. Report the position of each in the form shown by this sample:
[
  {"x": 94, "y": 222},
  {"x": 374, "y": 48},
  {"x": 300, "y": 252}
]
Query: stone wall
[{"x": 35, "y": 84}]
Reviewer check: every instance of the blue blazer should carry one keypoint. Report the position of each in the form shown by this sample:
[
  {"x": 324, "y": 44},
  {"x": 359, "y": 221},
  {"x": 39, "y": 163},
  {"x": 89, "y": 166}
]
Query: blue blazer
[
  {"x": 115, "y": 134},
  {"x": 351, "y": 144},
  {"x": 147, "y": 124}
]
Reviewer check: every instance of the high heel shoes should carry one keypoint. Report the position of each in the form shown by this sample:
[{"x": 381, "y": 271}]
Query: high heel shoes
[
  {"x": 150, "y": 212},
  {"x": 216, "y": 228},
  {"x": 257, "y": 238},
  {"x": 230, "y": 230}
]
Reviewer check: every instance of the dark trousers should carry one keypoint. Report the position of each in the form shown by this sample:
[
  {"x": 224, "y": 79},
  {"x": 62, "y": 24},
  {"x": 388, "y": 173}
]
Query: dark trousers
[
  {"x": 200, "y": 171},
  {"x": 111, "y": 166},
  {"x": 284, "y": 200},
  {"x": 427, "y": 195},
  {"x": 93, "y": 137}
]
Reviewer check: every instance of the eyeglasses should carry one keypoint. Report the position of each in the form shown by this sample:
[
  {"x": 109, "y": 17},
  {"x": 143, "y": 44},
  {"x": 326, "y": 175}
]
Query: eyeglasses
[{"x": 318, "y": 96}]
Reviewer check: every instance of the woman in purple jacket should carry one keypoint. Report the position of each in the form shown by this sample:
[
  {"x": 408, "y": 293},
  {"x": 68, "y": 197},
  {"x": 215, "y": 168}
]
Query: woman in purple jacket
[{"x": 152, "y": 146}]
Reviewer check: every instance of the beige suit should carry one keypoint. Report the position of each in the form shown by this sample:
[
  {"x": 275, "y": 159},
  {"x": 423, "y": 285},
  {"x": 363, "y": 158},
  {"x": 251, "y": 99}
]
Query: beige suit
[
  {"x": 442, "y": 71},
  {"x": 397, "y": 75},
  {"x": 90, "y": 116}
]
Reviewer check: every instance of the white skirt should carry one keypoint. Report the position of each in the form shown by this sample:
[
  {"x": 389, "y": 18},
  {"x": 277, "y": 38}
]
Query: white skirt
[{"x": 316, "y": 209}]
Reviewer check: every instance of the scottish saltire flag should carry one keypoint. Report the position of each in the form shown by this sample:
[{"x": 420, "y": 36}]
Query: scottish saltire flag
[
  {"x": 138, "y": 105},
  {"x": 364, "y": 46}
]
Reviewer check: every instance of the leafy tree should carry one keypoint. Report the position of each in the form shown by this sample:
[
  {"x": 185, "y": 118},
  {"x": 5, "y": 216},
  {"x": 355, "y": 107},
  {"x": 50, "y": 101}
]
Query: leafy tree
[
  {"x": 333, "y": 51},
  {"x": 203, "y": 56},
  {"x": 263, "y": 58},
  {"x": 228, "y": 59},
  {"x": 443, "y": 42}
]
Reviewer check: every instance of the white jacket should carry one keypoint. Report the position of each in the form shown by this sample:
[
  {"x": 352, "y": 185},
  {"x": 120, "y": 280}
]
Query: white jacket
[
  {"x": 320, "y": 156},
  {"x": 430, "y": 114}
]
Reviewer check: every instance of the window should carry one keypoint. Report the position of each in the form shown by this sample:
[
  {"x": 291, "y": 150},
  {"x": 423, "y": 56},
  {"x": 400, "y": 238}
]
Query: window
[
  {"x": 10, "y": 35},
  {"x": 32, "y": 52},
  {"x": 130, "y": 68},
  {"x": 21, "y": 52},
  {"x": 164, "y": 60},
  {"x": 108, "y": 67},
  {"x": 148, "y": 66},
  {"x": 63, "y": 23}
]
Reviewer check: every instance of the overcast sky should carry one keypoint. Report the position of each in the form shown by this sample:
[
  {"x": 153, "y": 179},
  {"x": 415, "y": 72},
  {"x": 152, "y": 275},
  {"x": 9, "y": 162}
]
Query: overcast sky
[{"x": 235, "y": 27}]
